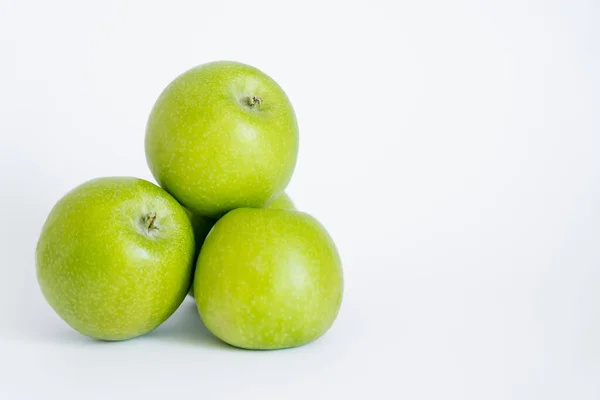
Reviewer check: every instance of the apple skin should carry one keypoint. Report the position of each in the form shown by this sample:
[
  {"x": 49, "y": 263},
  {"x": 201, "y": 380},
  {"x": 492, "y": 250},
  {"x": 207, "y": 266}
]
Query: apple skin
[
  {"x": 115, "y": 257},
  {"x": 282, "y": 202},
  {"x": 268, "y": 279},
  {"x": 221, "y": 136},
  {"x": 203, "y": 225}
]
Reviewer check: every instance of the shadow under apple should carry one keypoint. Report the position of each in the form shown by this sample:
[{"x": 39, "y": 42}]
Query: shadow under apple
[{"x": 186, "y": 327}]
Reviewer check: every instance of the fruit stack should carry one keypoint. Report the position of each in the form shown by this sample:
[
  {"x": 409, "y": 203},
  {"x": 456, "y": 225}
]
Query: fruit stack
[{"x": 118, "y": 255}]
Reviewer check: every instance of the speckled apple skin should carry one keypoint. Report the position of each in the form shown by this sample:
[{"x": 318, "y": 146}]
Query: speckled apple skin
[
  {"x": 203, "y": 225},
  {"x": 268, "y": 279},
  {"x": 212, "y": 150},
  {"x": 282, "y": 202},
  {"x": 102, "y": 270}
]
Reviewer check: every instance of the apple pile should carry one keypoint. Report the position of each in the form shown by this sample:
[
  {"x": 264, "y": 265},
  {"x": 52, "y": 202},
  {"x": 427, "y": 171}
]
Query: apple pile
[{"x": 118, "y": 255}]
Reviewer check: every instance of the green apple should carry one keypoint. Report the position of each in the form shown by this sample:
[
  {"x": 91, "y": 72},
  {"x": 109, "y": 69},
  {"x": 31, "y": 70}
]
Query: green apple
[
  {"x": 282, "y": 202},
  {"x": 202, "y": 225},
  {"x": 115, "y": 257},
  {"x": 268, "y": 279},
  {"x": 221, "y": 136}
]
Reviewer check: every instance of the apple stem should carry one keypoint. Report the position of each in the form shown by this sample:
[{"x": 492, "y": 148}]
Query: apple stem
[
  {"x": 253, "y": 101},
  {"x": 149, "y": 220}
]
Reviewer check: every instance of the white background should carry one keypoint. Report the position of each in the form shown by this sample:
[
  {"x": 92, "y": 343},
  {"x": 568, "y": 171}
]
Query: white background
[{"x": 450, "y": 147}]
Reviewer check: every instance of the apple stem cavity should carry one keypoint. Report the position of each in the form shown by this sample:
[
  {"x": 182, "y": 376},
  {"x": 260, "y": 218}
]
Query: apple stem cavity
[
  {"x": 253, "y": 101},
  {"x": 149, "y": 220}
]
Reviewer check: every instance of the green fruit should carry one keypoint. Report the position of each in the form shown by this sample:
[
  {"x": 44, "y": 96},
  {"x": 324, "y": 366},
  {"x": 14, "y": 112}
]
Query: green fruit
[
  {"x": 115, "y": 257},
  {"x": 202, "y": 225},
  {"x": 221, "y": 136},
  {"x": 268, "y": 279},
  {"x": 282, "y": 202}
]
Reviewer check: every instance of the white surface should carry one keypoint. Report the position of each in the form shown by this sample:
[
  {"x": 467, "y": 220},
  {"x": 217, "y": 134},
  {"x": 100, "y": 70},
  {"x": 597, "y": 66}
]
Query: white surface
[{"x": 450, "y": 147}]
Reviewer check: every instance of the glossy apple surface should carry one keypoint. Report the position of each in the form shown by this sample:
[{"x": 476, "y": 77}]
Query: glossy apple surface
[
  {"x": 221, "y": 136},
  {"x": 268, "y": 279},
  {"x": 202, "y": 225},
  {"x": 115, "y": 257}
]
